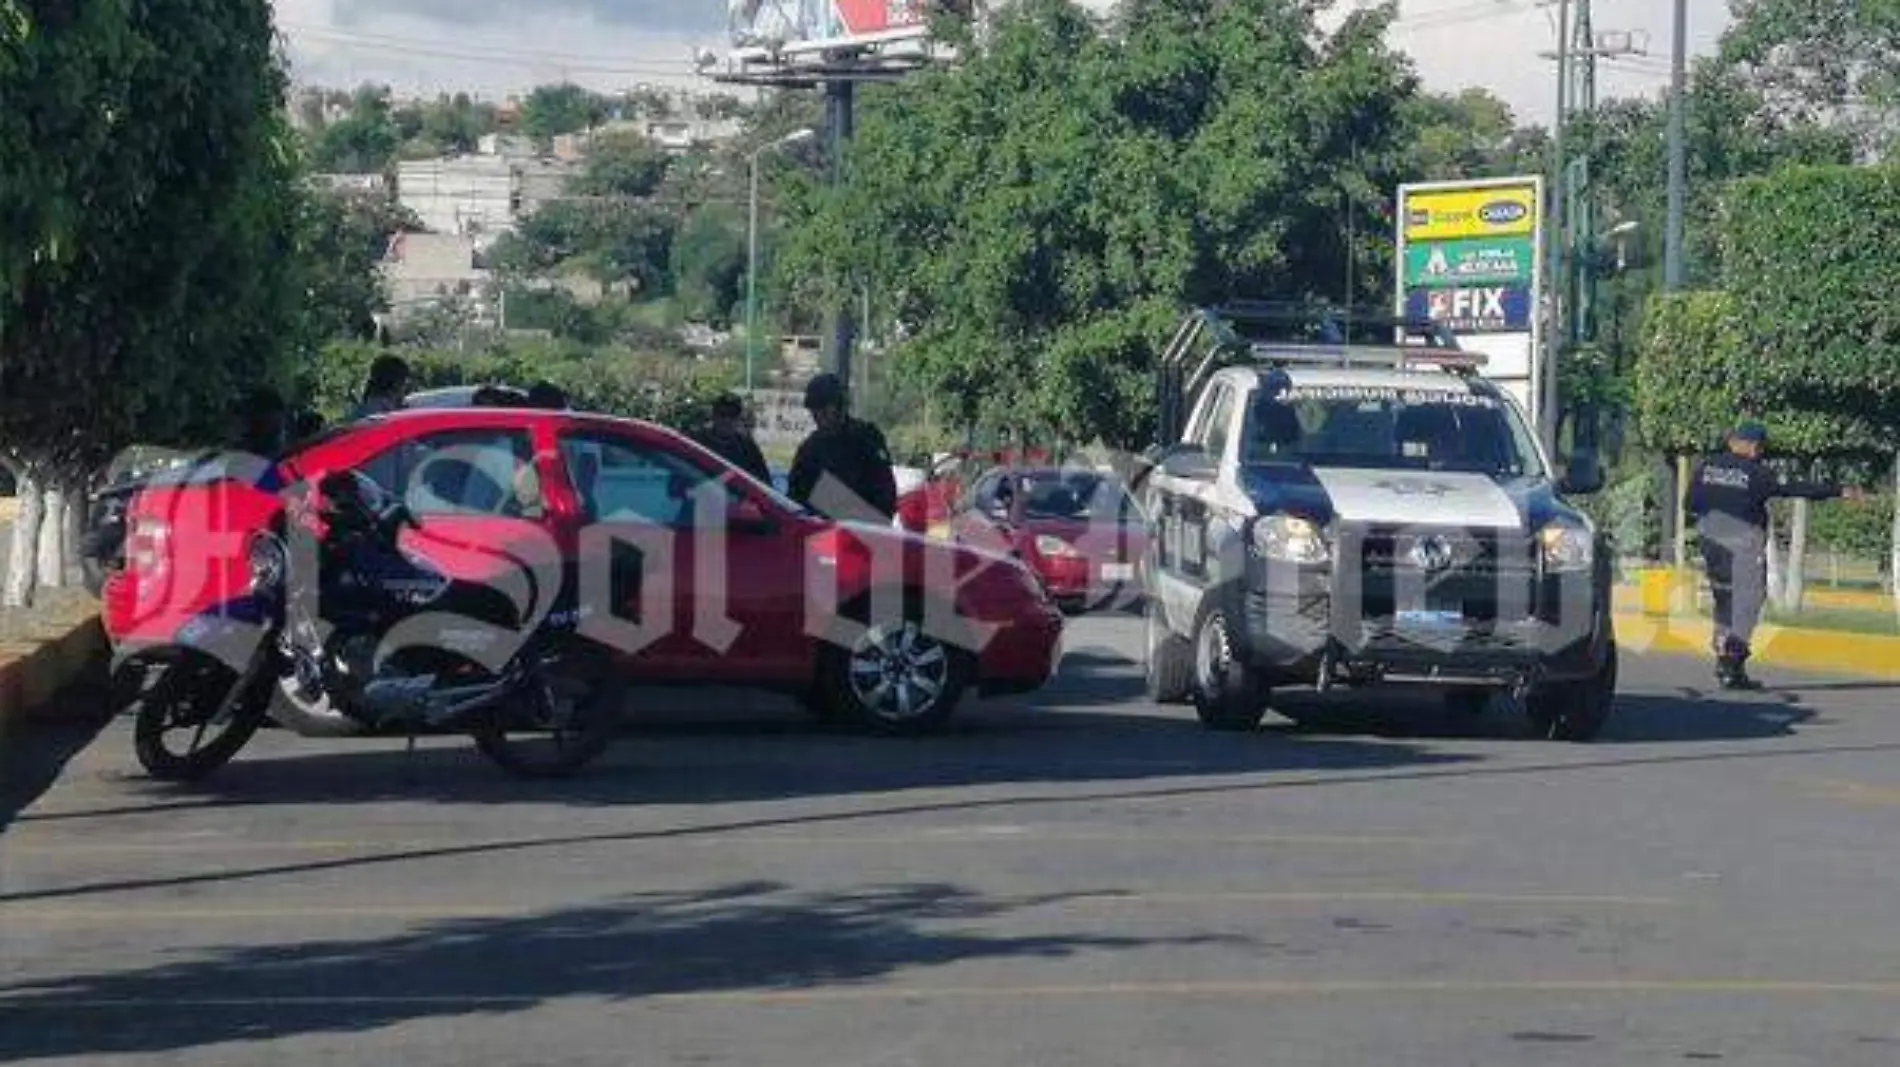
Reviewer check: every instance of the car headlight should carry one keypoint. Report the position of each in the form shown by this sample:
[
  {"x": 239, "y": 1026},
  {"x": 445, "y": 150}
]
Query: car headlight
[
  {"x": 1290, "y": 539},
  {"x": 1054, "y": 547},
  {"x": 268, "y": 563},
  {"x": 1567, "y": 545}
]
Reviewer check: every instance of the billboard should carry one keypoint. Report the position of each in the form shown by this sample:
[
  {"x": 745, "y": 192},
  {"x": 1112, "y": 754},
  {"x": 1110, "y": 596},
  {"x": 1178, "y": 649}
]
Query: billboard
[
  {"x": 1470, "y": 255},
  {"x": 758, "y": 28}
]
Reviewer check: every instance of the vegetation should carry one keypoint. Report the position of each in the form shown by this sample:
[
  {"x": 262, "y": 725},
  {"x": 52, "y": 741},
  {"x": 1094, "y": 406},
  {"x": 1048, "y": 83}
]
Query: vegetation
[{"x": 150, "y": 272}]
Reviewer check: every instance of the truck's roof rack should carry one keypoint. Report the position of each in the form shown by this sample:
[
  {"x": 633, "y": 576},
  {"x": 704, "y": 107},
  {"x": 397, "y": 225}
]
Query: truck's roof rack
[
  {"x": 1399, "y": 357},
  {"x": 1282, "y": 333}
]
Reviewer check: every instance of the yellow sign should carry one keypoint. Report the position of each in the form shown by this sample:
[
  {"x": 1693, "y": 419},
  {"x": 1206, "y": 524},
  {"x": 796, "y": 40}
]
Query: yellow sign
[{"x": 1456, "y": 214}]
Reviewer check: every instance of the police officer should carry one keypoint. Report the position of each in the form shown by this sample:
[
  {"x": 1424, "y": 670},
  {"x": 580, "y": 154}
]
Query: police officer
[
  {"x": 851, "y": 452},
  {"x": 728, "y": 437},
  {"x": 1728, "y": 496}
]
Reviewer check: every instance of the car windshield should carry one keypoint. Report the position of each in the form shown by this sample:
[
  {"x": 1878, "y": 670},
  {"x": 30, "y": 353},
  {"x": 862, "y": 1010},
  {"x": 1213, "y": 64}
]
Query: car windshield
[
  {"x": 1056, "y": 494},
  {"x": 1388, "y": 427}
]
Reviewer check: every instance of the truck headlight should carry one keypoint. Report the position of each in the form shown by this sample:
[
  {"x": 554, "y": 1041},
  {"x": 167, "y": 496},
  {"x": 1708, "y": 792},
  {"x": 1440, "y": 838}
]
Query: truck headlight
[
  {"x": 1567, "y": 545},
  {"x": 1290, "y": 539},
  {"x": 1054, "y": 547}
]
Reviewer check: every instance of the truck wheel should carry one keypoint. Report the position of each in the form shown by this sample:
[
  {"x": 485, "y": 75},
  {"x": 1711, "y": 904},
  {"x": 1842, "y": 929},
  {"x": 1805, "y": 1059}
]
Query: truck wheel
[
  {"x": 1575, "y": 711},
  {"x": 1169, "y": 666},
  {"x": 1228, "y": 695}
]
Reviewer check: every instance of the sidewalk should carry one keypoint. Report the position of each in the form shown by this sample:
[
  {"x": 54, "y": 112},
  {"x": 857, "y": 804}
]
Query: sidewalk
[{"x": 1663, "y": 616}]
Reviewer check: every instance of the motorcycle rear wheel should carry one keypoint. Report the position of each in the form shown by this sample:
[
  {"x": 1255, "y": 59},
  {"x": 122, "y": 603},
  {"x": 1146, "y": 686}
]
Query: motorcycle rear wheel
[
  {"x": 582, "y": 718},
  {"x": 186, "y": 696}
]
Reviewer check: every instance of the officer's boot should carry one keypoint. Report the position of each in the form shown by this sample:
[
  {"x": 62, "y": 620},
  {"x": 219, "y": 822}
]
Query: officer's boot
[{"x": 1735, "y": 669}]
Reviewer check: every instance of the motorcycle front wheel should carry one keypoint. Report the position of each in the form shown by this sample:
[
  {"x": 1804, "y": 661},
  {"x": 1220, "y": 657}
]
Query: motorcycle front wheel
[
  {"x": 553, "y": 727},
  {"x": 183, "y": 700}
]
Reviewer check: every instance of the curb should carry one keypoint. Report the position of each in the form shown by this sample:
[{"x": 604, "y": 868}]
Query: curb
[
  {"x": 1835, "y": 652},
  {"x": 30, "y": 682}
]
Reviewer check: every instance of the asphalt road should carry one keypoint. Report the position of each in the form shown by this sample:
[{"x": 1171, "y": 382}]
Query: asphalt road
[{"x": 1081, "y": 879}]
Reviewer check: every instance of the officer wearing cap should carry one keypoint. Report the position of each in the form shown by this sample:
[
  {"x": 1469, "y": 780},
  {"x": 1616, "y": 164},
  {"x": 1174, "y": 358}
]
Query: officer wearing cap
[
  {"x": 1728, "y": 496},
  {"x": 728, "y": 437},
  {"x": 851, "y": 451}
]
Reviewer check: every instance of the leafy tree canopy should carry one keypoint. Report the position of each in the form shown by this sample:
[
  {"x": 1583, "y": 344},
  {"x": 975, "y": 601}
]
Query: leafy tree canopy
[{"x": 1042, "y": 211}]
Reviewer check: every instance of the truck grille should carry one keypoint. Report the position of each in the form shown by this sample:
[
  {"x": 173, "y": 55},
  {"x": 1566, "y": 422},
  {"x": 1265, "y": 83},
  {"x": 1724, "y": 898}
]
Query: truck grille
[{"x": 1483, "y": 575}]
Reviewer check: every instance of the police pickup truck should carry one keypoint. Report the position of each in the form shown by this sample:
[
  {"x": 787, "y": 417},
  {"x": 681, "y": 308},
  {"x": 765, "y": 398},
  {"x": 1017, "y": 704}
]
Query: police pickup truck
[{"x": 1332, "y": 514}]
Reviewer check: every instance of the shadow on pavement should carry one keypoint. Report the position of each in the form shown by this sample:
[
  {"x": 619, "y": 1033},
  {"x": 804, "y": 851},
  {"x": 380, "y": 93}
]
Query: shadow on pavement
[
  {"x": 34, "y": 753},
  {"x": 742, "y": 938}
]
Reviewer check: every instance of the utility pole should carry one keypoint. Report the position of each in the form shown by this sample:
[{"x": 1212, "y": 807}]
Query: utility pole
[
  {"x": 1678, "y": 149},
  {"x": 1558, "y": 257},
  {"x": 1571, "y": 281},
  {"x": 840, "y": 127},
  {"x": 1675, "y": 525}
]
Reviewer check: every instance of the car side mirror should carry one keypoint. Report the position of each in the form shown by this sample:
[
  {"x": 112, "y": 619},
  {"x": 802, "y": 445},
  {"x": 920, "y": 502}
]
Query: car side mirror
[
  {"x": 1583, "y": 475},
  {"x": 1190, "y": 461},
  {"x": 749, "y": 516}
]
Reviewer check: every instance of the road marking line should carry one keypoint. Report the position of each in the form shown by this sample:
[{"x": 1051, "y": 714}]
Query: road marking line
[
  {"x": 1132, "y": 897},
  {"x": 1851, "y": 792},
  {"x": 1396, "y": 896},
  {"x": 954, "y": 836},
  {"x": 1224, "y": 989}
]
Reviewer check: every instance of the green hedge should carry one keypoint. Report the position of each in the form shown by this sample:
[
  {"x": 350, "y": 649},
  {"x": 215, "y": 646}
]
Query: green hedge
[
  {"x": 1687, "y": 386},
  {"x": 662, "y": 388},
  {"x": 1811, "y": 260}
]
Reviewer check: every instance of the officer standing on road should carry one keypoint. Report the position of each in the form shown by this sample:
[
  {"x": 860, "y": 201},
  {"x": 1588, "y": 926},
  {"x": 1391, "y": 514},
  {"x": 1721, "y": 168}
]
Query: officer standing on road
[
  {"x": 728, "y": 438},
  {"x": 1728, "y": 496},
  {"x": 853, "y": 452}
]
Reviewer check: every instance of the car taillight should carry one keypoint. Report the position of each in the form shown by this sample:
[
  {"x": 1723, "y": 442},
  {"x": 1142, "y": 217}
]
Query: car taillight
[{"x": 147, "y": 540}]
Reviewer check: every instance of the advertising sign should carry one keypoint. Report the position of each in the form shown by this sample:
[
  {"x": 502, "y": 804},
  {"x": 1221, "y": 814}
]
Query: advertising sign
[
  {"x": 1455, "y": 214},
  {"x": 793, "y": 26},
  {"x": 1469, "y": 256},
  {"x": 1478, "y": 261},
  {"x": 1490, "y": 309}
]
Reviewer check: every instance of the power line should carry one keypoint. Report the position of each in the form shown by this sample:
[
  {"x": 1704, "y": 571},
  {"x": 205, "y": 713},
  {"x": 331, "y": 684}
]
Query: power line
[{"x": 484, "y": 54}]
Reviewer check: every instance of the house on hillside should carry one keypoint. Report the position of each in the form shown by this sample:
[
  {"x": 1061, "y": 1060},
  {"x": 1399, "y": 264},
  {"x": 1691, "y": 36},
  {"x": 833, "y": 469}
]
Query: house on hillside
[
  {"x": 421, "y": 266},
  {"x": 461, "y": 195}
]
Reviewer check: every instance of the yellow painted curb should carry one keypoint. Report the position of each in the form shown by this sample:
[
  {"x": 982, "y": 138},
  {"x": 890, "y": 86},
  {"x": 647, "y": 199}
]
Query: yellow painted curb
[
  {"x": 29, "y": 682},
  {"x": 1817, "y": 651}
]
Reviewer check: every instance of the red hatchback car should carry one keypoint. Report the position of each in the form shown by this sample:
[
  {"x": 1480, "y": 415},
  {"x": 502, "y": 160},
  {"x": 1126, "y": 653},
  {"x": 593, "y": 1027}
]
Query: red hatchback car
[
  {"x": 1080, "y": 530},
  {"x": 690, "y": 570}
]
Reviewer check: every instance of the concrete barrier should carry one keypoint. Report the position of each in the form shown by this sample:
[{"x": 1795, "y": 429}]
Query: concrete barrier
[{"x": 33, "y": 674}]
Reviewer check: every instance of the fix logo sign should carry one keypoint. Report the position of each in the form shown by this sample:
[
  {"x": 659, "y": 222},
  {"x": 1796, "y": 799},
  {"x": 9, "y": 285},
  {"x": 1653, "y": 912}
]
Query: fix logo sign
[{"x": 1488, "y": 309}]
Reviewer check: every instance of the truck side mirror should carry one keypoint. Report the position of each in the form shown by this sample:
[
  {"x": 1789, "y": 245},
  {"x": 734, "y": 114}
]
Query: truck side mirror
[
  {"x": 1583, "y": 475},
  {"x": 1190, "y": 461}
]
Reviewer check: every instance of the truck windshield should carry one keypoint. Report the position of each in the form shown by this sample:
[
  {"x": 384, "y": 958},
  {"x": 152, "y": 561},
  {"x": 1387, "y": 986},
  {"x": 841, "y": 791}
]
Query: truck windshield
[{"x": 1378, "y": 427}]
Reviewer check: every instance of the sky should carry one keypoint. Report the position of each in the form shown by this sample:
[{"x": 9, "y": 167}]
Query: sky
[{"x": 498, "y": 47}]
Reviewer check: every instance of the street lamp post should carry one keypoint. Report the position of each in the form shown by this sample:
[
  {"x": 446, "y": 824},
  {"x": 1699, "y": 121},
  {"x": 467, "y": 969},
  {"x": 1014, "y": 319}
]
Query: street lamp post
[{"x": 752, "y": 253}]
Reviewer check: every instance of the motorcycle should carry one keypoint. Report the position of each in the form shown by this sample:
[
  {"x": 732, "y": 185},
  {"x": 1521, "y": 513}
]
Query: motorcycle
[{"x": 310, "y": 635}]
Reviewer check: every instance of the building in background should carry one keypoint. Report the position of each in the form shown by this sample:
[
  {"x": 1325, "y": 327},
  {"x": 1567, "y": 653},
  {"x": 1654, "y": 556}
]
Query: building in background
[{"x": 463, "y": 195}]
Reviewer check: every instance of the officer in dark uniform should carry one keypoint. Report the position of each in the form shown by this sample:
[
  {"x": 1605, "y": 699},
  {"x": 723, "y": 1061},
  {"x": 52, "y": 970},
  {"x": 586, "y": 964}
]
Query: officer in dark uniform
[
  {"x": 1728, "y": 496},
  {"x": 728, "y": 437},
  {"x": 852, "y": 452}
]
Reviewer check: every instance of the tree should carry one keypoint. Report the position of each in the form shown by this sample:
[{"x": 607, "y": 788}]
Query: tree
[
  {"x": 364, "y": 141},
  {"x": 709, "y": 264},
  {"x": 1473, "y": 134},
  {"x": 345, "y": 240},
  {"x": 553, "y": 110},
  {"x": 1036, "y": 217},
  {"x": 1820, "y": 62},
  {"x": 622, "y": 163},
  {"x": 1801, "y": 338},
  {"x": 153, "y": 211}
]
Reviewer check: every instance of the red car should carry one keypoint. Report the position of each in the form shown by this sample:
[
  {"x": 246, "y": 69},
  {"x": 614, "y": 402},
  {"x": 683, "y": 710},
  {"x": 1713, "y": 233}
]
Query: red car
[
  {"x": 691, "y": 571},
  {"x": 931, "y": 505},
  {"x": 1079, "y": 530}
]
